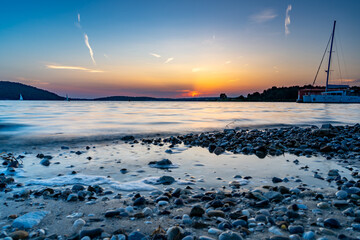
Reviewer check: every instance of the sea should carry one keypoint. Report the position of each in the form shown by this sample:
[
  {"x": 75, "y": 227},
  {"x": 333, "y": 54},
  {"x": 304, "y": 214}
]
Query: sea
[
  {"x": 83, "y": 137},
  {"x": 43, "y": 122}
]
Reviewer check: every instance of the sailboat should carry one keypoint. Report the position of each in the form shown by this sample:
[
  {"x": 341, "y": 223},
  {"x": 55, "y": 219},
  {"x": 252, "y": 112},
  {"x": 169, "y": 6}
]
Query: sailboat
[
  {"x": 331, "y": 93},
  {"x": 67, "y": 98},
  {"x": 21, "y": 97}
]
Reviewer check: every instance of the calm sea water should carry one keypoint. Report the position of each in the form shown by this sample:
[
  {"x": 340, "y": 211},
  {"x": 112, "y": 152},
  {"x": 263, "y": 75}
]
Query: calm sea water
[{"x": 52, "y": 121}]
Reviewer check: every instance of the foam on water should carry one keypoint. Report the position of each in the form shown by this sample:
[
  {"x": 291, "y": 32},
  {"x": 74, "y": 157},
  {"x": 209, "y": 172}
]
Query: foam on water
[
  {"x": 139, "y": 185},
  {"x": 144, "y": 184}
]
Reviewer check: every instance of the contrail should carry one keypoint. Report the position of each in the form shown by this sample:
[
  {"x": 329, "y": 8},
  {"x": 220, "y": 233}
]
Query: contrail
[
  {"x": 287, "y": 20},
  {"x": 79, "y": 17},
  {"x": 73, "y": 68},
  {"x": 90, "y": 49}
]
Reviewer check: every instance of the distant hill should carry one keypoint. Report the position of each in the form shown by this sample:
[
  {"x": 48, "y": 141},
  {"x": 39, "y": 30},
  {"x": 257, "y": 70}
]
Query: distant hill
[
  {"x": 127, "y": 98},
  {"x": 275, "y": 94},
  {"x": 12, "y": 91}
]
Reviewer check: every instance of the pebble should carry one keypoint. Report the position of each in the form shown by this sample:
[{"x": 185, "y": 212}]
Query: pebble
[
  {"x": 332, "y": 223},
  {"x": 92, "y": 233},
  {"x": 294, "y": 229},
  {"x": 78, "y": 224},
  {"x": 341, "y": 194},
  {"x": 309, "y": 235},
  {"x": 19, "y": 235},
  {"x": 197, "y": 211},
  {"x": 29, "y": 220},
  {"x": 174, "y": 233}
]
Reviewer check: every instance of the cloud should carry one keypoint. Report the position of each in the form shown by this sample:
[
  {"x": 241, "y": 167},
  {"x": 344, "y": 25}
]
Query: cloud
[
  {"x": 74, "y": 68},
  {"x": 227, "y": 62},
  {"x": 196, "y": 69},
  {"x": 77, "y": 24},
  {"x": 264, "y": 16},
  {"x": 350, "y": 80},
  {"x": 31, "y": 81},
  {"x": 168, "y": 60},
  {"x": 155, "y": 55},
  {"x": 89, "y": 47},
  {"x": 287, "y": 20}
]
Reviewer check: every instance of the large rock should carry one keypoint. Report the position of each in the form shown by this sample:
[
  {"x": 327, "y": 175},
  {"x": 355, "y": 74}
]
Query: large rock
[{"x": 29, "y": 220}]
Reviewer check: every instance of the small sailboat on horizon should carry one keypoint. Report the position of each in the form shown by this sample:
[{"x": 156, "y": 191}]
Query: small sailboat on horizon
[{"x": 21, "y": 97}]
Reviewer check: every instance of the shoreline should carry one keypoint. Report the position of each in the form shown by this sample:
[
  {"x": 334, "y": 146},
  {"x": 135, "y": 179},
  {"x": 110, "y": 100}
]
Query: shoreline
[{"x": 237, "y": 207}]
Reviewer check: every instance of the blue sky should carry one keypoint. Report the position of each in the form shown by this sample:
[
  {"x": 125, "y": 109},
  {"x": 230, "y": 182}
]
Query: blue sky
[{"x": 174, "y": 48}]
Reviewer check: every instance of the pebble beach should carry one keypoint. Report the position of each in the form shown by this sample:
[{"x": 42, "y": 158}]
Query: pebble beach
[{"x": 275, "y": 183}]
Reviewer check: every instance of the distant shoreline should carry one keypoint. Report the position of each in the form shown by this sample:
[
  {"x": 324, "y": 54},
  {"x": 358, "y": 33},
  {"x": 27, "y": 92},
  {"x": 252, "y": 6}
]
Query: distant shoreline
[{"x": 13, "y": 91}]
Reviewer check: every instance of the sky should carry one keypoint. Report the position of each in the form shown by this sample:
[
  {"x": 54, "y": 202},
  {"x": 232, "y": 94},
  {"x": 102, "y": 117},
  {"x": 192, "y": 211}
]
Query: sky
[{"x": 186, "y": 48}]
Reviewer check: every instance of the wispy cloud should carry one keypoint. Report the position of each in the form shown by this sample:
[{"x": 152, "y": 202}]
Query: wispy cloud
[
  {"x": 227, "y": 62},
  {"x": 74, "y": 68},
  {"x": 350, "y": 80},
  {"x": 31, "y": 81},
  {"x": 276, "y": 69},
  {"x": 287, "y": 20},
  {"x": 198, "y": 69},
  {"x": 155, "y": 55},
  {"x": 77, "y": 24},
  {"x": 89, "y": 47},
  {"x": 168, "y": 60},
  {"x": 263, "y": 16}
]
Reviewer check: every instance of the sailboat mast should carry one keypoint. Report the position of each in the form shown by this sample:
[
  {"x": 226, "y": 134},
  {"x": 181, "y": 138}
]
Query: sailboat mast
[{"x": 331, "y": 46}]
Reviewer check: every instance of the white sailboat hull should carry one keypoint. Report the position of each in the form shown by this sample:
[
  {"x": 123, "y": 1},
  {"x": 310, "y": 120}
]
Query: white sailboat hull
[{"x": 331, "y": 99}]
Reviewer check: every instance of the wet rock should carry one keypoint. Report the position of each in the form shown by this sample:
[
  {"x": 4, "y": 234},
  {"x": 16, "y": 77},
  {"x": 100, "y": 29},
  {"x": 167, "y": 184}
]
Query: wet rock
[
  {"x": 275, "y": 196},
  {"x": 78, "y": 224},
  {"x": 323, "y": 205},
  {"x": 309, "y": 235},
  {"x": 72, "y": 197},
  {"x": 139, "y": 201},
  {"x": 179, "y": 202},
  {"x": 128, "y": 138},
  {"x": 175, "y": 233},
  {"x": 147, "y": 211},
  {"x": 333, "y": 173},
  {"x": 229, "y": 235},
  {"x": 295, "y": 229},
  {"x": 219, "y": 150},
  {"x": 341, "y": 194},
  {"x": 166, "y": 180},
  {"x": 19, "y": 235},
  {"x": 197, "y": 211},
  {"x": 275, "y": 230},
  {"x": 45, "y": 162},
  {"x": 77, "y": 188},
  {"x": 162, "y": 164},
  {"x": 113, "y": 213},
  {"x": 332, "y": 223},
  {"x": 29, "y": 220},
  {"x": 216, "y": 213},
  {"x": 279, "y": 238},
  {"x": 92, "y": 233},
  {"x": 276, "y": 180}
]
